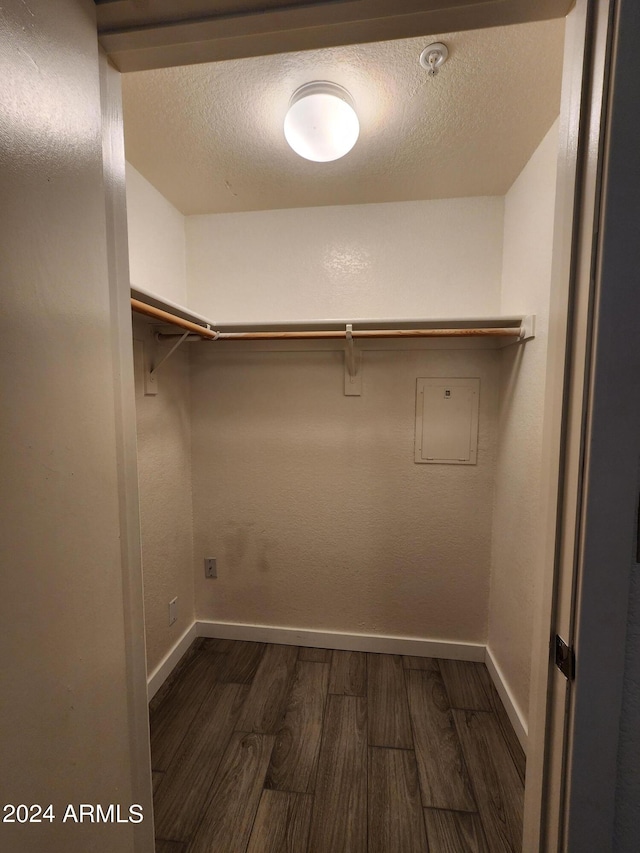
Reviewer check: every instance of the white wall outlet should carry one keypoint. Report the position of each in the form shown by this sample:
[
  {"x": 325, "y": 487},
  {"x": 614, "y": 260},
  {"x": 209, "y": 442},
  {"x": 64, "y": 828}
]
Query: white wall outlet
[
  {"x": 210, "y": 567},
  {"x": 173, "y": 610}
]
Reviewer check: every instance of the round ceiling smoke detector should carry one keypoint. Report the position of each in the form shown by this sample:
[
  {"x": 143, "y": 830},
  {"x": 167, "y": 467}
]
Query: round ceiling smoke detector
[
  {"x": 321, "y": 123},
  {"x": 433, "y": 56}
]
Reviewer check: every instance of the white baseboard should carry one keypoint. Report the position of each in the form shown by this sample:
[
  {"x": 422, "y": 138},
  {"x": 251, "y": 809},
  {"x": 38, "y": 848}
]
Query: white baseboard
[
  {"x": 336, "y": 640},
  {"x": 514, "y": 712},
  {"x": 170, "y": 661}
]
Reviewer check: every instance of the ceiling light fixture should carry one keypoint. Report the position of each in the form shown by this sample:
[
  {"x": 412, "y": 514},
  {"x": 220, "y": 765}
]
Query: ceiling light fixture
[{"x": 321, "y": 123}]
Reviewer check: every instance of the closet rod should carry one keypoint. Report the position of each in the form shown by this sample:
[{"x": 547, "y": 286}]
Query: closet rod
[
  {"x": 159, "y": 314},
  {"x": 368, "y": 333},
  {"x": 325, "y": 334}
]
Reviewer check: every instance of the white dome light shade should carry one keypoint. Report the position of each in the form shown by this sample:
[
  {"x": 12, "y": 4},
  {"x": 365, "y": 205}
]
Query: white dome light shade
[{"x": 321, "y": 123}]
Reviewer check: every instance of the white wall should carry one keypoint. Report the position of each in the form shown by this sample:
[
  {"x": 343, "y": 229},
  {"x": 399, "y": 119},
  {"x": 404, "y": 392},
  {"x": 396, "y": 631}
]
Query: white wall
[
  {"x": 310, "y": 500},
  {"x": 67, "y": 730},
  {"x": 157, "y": 258},
  {"x": 156, "y": 240},
  {"x": 409, "y": 259},
  {"x": 528, "y": 232},
  {"x": 164, "y": 474},
  {"x": 314, "y": 507}
]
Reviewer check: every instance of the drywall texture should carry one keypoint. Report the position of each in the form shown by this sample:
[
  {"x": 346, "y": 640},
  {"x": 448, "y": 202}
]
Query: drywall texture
[
  {"x": 211, "y": 145},
  {"x": 526, "y": 276},
  {"x": 156, "y": 240},
  {"x": 408, "y": 259},
  {"x": 164, "y": 477},
  {"x": 314, "y": 507},
  {"x": 64, "y": 718},
  {"x": 157, "y": 263}
]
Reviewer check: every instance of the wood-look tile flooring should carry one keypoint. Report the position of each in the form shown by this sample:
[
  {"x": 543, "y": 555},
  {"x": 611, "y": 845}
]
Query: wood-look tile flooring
[{"x": 261, "y": 748}]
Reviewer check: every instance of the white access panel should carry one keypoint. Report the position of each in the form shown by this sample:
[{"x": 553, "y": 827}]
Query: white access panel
[{"x": 447, "y": 421}]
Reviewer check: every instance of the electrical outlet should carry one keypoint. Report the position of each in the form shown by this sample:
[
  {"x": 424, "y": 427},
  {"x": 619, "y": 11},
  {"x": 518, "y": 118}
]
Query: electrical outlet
[
  {"x": 173, "y": 610},
  {"x": 210, "y": 567}
]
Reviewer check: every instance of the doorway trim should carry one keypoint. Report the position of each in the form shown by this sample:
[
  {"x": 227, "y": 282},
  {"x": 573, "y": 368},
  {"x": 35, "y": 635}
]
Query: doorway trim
[
  {"x": 567, "y": 390},
  {"x": 609, "y": 537},
  {"x": 126, "y": 448}
]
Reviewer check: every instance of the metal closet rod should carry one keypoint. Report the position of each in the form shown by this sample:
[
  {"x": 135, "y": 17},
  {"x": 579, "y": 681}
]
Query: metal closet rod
[{"x": 324, "y": 334}]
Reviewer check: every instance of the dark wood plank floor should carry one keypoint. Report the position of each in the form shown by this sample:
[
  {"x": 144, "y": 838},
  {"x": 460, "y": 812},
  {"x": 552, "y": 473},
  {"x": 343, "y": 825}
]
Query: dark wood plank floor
[{"x": 260, "y": 748}]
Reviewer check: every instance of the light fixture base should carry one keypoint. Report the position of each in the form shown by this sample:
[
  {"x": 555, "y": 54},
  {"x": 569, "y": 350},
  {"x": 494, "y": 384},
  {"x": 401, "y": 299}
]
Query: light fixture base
[{"x": 321, "y": 87}]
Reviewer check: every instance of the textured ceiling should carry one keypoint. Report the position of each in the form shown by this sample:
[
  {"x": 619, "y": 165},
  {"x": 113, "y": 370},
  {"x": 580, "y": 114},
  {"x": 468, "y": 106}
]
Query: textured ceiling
[{"x": 210, "y": 138}]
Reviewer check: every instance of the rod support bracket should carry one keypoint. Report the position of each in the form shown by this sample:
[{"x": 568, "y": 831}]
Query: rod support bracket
[
  {"x": 526, "y": 332},
  {"x": 168, "y": 354},
  {"x": 528, "y": 328},
  {"x": 352, "y": 365}
]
